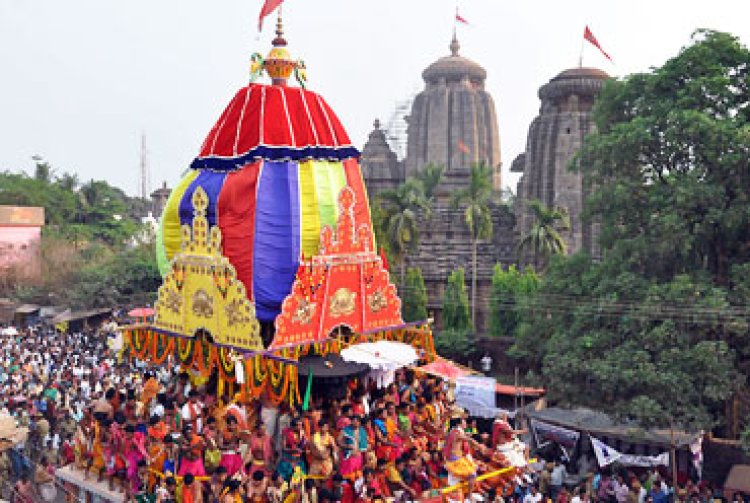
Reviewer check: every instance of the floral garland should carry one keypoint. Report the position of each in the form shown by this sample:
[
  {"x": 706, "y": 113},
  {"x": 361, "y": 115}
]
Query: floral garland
[
  {"x": 185, "y": 351},
  {"x": 226, "y": 364},
  {"x": 258, "y": 373},
  {"x": 249, "y": 386},
  {"x": 294, "y": 380},
  {"x": 139, "y": 339},
  {"x": 163, "y": 347},
  {"x": 275, "y": 372},
  {"x": 204, "y": 361}
]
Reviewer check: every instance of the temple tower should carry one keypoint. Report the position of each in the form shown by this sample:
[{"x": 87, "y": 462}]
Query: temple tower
[
  {"x": 453, "y": 121},
  {"x": 380, "y": 167},
  {"x": 159, "y": 199},
  {"x": 554, "y": 137}
]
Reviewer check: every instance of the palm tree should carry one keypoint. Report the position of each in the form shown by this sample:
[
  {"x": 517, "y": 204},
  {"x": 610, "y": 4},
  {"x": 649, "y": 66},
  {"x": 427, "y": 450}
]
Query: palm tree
[
  {"x": 476, "y": 198},
  {"x": 544, "y": 235},
  {"x": 430, "y": 177},
  {"x": 43, "y": 172},
  {"x": 68, "y": 181},
  {"x": 401, "y": 208}
]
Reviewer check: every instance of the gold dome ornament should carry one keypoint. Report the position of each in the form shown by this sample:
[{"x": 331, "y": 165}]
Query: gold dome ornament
[{"x": 279, "y": 64}]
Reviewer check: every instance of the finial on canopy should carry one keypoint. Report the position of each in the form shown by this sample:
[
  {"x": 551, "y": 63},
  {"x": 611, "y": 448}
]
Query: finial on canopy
[
  {"x": 455, "y": 46},
  {"x": 279, "y": 64},
  {"x": 279, "y": 41}
]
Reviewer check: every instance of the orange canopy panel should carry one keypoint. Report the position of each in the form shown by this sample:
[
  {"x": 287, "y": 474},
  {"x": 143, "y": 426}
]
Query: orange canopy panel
[
  {"x": 141, "y": 312},
  {"x": 510, "y": 390},
  {"x": 445, "y": 369}
]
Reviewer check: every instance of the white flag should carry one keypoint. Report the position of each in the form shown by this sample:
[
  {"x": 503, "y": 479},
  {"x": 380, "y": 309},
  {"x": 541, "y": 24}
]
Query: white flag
[{"x": 605, "y": 455}]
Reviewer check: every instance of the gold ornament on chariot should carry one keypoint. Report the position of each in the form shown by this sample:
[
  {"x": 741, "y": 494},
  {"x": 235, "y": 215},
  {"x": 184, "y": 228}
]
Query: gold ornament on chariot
[
  {"x": 304, "y": 312},
  {"x": 174, "y": 302},
  {"x": 377, "y": 301},
  {"x": 342, "y": 303},
  {"x": 203, "y": 304}
]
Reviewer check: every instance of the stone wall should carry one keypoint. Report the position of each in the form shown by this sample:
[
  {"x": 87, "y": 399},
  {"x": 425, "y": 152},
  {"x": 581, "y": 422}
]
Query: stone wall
[{"x": 445, "y": 244}]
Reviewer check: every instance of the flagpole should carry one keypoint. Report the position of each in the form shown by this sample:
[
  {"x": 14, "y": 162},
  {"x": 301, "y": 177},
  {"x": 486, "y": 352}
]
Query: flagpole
[
  {"x": 580, "y": 54},
  {"x": 455, "y": 20}
]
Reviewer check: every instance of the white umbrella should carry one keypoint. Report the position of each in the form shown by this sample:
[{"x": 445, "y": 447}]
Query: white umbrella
[
  {"x": 383, "y": 357},
  {"x": 12, "y": 331}
]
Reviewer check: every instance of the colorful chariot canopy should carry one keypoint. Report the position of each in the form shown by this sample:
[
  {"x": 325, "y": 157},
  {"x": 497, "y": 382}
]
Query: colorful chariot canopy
[{"x": 272, "y": 168}]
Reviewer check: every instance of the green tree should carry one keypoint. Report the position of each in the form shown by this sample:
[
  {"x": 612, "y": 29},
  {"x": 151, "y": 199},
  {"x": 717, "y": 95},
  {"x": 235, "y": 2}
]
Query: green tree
[
  {"x": 43, "y": 172},
  {"x": 430, "y": 177},
  {"x": 476, "y": 200},
  {"x": 509, "y": 287},
  {"x": 414, "y": 296},
  {"x": 657, "y": 331},
  {"x": 380, "y": 228},
  {"x": 402, "y": 208},
  {"x": 456, "y": 338},
  {"x": 456, "y": 303},
  {"x": 83, "y": 226},
  {"x": 670, "y": 161},
  {"x": 543, "y": 238},
  {"x": 127, "y": 277}
]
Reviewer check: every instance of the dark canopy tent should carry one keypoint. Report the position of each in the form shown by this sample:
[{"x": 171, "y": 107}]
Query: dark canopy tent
[{"x": 330, "y": 374}]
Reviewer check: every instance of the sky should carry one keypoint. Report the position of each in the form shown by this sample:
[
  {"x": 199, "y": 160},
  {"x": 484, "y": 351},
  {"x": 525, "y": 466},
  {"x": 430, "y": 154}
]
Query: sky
[{"x": 82, "y": 80}]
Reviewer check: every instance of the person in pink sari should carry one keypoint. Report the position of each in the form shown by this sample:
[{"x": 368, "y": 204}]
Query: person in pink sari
[
  {"x": 353, "y": 442},
  {"x": 231, "y": 458},
  {"x": 134, "y": 450},
  {"x": 191, "y": 448},
  {"x": 261, "y": 450}
]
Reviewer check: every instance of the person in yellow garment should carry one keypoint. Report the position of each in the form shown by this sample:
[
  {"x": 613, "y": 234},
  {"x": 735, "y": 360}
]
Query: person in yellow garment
[
  {"x": 322, "y": 451},
  {"x": 459, "y": 463}
]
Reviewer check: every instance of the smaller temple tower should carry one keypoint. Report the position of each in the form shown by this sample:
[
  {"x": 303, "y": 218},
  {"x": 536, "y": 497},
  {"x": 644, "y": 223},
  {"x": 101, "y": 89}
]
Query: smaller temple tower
[
  {"x": 380, "y": 166},
  {"x": 159, "y": 200},
  {"x": 555, "y": 136}
]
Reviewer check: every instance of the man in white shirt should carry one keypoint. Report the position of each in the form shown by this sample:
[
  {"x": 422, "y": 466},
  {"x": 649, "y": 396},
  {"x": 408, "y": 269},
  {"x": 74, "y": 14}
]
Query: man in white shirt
[
  {"x": 533, "y": 496},
  {"x": 192, "y": 411},
  {"x": 621, "y": 490},
  {"x": 556, "y": 479}
]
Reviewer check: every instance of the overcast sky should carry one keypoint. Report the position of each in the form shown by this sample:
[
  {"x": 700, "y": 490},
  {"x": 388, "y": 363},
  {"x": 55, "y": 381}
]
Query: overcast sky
[{"x": 81, "y": 80}]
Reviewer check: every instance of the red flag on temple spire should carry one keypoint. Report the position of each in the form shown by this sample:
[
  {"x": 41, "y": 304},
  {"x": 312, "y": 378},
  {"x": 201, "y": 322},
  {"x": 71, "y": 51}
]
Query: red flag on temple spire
[
  {"x": 593, "y": 41},
  {"x": 268, "y": 7},
  {"x": 460, "y": 18},
  {"x": 462, "y": 147}
]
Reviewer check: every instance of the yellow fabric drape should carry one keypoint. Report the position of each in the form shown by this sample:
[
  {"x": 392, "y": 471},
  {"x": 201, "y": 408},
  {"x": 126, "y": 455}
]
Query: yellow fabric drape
[{"x": 170, "y": 220}]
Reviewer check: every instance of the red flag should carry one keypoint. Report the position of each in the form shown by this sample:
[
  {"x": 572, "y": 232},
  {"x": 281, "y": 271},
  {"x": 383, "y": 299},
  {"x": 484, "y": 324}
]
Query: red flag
[
  {"x": 461, "y": 19},
  {"x": 593, "y": 41},
  {"x": 383, "y": 258},
  {"x": 462, "y": 147},
  {"x": 268, "y": 7}
]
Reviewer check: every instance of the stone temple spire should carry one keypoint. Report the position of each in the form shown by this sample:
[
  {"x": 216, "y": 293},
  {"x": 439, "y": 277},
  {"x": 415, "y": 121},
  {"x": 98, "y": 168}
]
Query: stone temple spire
[
  {"x": 555, "y": 135},
  {"x": 453, "y": 122}
]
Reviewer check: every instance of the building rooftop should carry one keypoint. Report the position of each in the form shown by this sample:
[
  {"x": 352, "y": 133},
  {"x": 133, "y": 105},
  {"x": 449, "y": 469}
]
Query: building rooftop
[{"x": 22, "y": 216}]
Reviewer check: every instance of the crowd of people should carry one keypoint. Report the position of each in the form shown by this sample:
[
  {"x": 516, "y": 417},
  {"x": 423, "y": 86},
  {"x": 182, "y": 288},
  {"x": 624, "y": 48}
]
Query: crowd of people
[{"x": 156, "y": 435}]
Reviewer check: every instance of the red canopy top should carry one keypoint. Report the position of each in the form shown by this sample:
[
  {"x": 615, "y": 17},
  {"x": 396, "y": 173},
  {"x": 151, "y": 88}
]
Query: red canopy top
[{"x": 276, "y": 123}]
